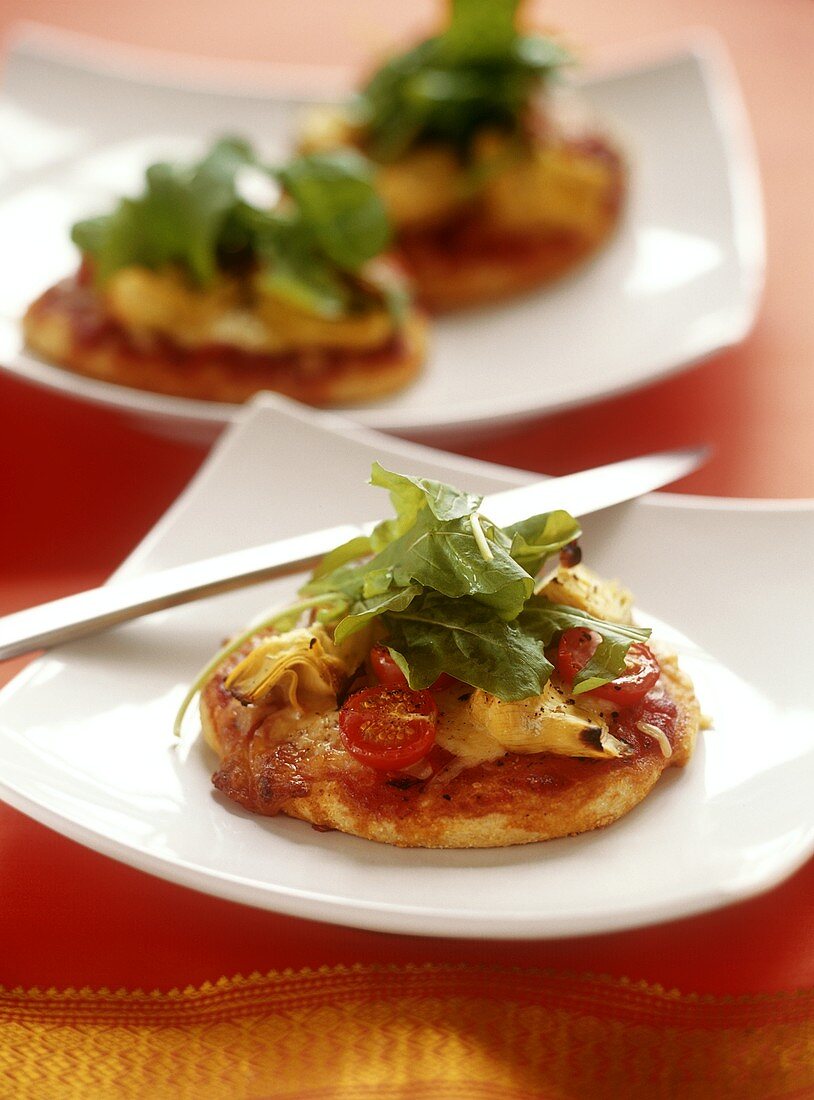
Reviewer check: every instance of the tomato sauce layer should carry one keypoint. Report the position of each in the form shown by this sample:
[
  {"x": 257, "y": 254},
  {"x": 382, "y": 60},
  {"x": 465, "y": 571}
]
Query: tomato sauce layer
[
  {"x": 492, "y": 785},
  {"x": 92, "y": 328}
]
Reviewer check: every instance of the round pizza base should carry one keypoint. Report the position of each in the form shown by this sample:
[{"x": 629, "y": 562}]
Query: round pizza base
[
  {"x": 446, "y": 280},
  {"x": 325, "y": 378},
  {"x": 495, "y": 804}
]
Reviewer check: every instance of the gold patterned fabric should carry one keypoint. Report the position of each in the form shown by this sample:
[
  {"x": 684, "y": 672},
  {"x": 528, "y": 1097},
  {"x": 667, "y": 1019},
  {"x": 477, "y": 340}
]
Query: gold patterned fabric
[{"x": 405, "y": 1033}]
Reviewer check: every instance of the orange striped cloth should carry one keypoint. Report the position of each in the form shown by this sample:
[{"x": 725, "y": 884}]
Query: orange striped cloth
[{"x": 405, "y": 1033}]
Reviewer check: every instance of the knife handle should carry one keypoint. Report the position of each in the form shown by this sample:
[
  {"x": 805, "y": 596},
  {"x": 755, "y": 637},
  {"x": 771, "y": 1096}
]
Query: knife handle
[{"x": 87, "y": 612}]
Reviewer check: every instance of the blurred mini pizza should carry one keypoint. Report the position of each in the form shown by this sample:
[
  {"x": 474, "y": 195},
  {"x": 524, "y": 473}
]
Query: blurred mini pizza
[
  {"x": 191, "y": 289},
  {"x": 490, "y": 190}
]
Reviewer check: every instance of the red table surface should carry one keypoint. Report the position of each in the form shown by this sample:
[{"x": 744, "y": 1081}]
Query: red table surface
[{"x": 80, "y": 486}]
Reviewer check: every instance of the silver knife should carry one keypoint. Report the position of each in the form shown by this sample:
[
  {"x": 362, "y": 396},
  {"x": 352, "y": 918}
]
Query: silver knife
[{"x": 116, "y": 602}]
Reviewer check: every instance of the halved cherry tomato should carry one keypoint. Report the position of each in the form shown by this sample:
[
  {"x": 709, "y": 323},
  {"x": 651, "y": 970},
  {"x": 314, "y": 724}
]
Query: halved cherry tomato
[
  {"x": 389, "y": 674},
  {"x": 642, "y": 670},
  {"x": 385, "y": 669},
  {"x": 388, "y": 728}
]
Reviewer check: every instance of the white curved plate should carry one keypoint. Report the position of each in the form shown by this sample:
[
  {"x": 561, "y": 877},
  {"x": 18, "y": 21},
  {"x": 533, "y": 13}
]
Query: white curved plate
[
  {"x": 87, "y": 746},
  {"x": 679, "y": 282}
]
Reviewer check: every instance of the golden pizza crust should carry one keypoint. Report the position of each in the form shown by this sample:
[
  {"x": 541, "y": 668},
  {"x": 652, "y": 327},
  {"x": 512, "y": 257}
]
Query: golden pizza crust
[
  {"x": 448, "y": 277},
  {"x": 66, "y": 326},
  {"x": 515, "y": 799}
]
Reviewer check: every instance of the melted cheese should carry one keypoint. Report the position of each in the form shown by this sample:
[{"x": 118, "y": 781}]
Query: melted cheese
[
  {"x": 424, "y": 188},
  {"x": 475, "y": 730},
  {"x": 582, "y": 588},
  {"x": 237, "y": 313},
  {"x": 552, "y": 186}
]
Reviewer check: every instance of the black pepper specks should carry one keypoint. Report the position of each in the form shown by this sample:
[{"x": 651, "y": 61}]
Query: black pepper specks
[{"x": 403, "y": 782}]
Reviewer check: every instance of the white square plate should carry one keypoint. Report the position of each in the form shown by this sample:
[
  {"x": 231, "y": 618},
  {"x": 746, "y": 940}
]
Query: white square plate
[
  {"x": 86, "y": 732},
  {"x": 678, "y": 282}
]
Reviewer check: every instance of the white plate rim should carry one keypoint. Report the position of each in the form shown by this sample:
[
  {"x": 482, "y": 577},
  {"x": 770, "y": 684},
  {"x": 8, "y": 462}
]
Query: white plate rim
[{"x": 398, "y": 917}]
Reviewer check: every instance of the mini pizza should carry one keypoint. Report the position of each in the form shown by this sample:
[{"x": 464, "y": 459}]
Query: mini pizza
[
  {"x": 192, "y": 290},
  {"x": 491, "y": 191},
  {"x": 432, "y": 690}
]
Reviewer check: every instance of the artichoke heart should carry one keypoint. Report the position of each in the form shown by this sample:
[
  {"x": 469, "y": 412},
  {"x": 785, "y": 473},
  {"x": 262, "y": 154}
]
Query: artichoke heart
[
  {"x": 580, "y": 587},
  {"x": 552, "y": 187},
  {"x": 546, "y": 723},
  {"x": 302, "y": 668}
]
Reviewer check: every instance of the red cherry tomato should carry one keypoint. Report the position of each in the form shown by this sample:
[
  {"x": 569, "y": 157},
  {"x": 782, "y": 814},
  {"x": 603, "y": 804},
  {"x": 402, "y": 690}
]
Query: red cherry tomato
[
  {"x": 388, "y": 728},
  {"x": 642, "y": 670},
  {"x": 385, "y": 669},
  {"x": 84, "y": 275},
  {"x": 388, "y": 673}
]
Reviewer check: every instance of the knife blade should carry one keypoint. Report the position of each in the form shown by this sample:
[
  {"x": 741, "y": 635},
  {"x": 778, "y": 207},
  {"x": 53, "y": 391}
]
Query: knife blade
[{"x": 118, "y": 601}]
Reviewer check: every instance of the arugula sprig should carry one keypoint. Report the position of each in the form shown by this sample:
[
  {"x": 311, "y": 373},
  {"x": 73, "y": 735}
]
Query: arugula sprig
[
  {"x": 480, "y": 71},
  {"x": 178, "y": 219},
  {"x": 454, "y": 593},
  {"x": 449, "y": 592},
  {"x": 309, "y": 249}
]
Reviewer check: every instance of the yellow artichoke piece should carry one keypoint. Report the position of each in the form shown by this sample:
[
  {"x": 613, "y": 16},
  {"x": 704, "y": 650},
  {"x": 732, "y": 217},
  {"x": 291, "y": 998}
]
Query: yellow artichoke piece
[
  {"x": 546, "y": 723},
  {"x": 555, "y": 187},
  {"x": 460, "y": 733},
  {"x": 302, "y": 668},
  {"x": 298, "y": 328}
]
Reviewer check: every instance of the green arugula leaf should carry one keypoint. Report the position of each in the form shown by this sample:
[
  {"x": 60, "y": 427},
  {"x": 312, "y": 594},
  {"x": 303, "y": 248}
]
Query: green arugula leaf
[
  {"x": 545, "y": 620},
  {"x": 90, "y": 235},
  {"x": 178, "y": 219},
  {"x": 350, "y": 551},
  {"x": 366, "y": 609},
  {"x": 456, "y": 594},
  {"x": 310, "y": 249},
  {"x": 409, "y": 495},
  {"x": 115, "y": 240},
  {"x": 338, "y": 203},
  {"x": 478, "y": 72},
  {"x": 479, "y": 32},
  {"x": 463, "y": 638},
  {"x": 431, "y": 543},
  {"x": 444, "y": 555},
  {"x": 338, "y": 223},
  {"x": 535, "y": 539},
  {"x": 295, "y": 271}
]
